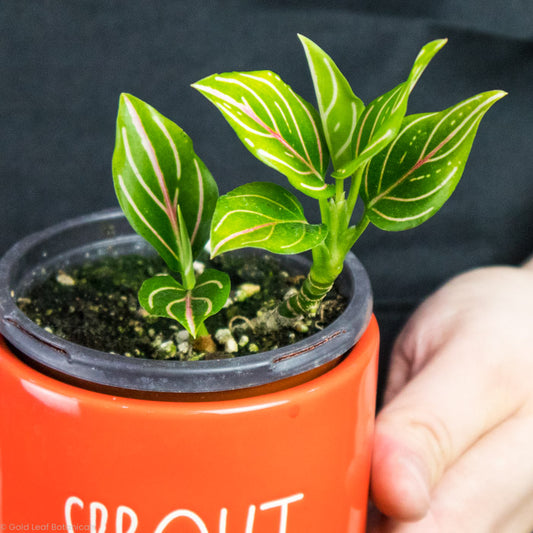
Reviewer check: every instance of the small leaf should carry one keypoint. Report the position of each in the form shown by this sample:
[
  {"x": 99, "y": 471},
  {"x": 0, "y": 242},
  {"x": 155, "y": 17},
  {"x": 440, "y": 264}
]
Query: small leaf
[
  {"x": 262, "y": 215},
  {"x": 408, "y": 183},
  {"x": 164, "y": 296},
  {"x": 382, "y": 119},
  {"x": 338, "y": 106},
  {"x": 155, "y": 169},
  {"x": 275, "y": 124}
]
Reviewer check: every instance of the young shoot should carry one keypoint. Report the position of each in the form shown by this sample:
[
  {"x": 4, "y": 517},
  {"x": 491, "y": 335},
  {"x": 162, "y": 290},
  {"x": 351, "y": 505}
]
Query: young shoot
[
  {"x": 403, "y": 168},
  {"x": 168, "y": 196}
]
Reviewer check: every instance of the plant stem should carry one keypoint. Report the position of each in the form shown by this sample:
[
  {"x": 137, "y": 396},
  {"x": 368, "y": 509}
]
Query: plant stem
[
  {"x": 306, "y": 300},
  {"x": 324, "y": 211},
  {"x": 339, "y": 190},
  {"x": 328, "y": 257},
  {"x": 363, "y": 223},
  {"x": 188, "y": 279},
  {"x": 355, "y": 185},
  {"x": 202, "y": 331}
]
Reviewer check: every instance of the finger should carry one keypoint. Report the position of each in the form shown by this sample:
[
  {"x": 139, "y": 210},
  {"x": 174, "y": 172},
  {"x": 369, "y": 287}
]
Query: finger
[
  {"x": 486, "y": 304},
  {"x": 490, "y": 488},
  {"x": 419, "y": 341},
  {"x": 439, "y": 414},
  {"x": 400, "y": 368}
]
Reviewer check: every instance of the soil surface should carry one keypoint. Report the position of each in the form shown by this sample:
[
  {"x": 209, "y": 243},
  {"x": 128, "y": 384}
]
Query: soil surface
[{"x": 95, "y": 305}]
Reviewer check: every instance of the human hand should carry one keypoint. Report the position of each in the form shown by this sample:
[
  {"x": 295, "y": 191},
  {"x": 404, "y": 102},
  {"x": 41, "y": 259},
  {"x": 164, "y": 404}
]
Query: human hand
[{"x": 454, "y": 443}]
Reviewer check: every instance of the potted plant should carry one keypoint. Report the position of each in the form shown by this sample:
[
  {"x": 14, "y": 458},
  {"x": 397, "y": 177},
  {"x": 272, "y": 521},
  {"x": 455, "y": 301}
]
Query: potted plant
[{"x": 272, "y": 441}]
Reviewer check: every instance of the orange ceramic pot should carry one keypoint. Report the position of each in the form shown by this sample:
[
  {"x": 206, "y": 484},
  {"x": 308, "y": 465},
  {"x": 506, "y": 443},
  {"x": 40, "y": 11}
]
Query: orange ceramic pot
[{"x": 76, "y": 455}]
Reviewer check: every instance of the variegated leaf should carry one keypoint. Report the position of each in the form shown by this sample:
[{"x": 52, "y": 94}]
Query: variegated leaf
[
  {"x": 407, "y": 183},
  {"x": 155, "y": 169},
  {"x": 262, "y": 215},
  {"x": 164, "y": 296},
  {"x": 338, "y": 106},
  {"x": 382, "y": 119},
  {"x": 275, "y": 124}
]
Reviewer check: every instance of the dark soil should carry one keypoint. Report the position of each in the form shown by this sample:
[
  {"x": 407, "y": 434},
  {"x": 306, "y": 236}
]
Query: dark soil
[{"x": 96, "y": 305}]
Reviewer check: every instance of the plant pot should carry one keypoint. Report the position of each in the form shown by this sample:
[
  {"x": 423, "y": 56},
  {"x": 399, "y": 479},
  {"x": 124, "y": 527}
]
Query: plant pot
[{"x": 273, "y": 442}]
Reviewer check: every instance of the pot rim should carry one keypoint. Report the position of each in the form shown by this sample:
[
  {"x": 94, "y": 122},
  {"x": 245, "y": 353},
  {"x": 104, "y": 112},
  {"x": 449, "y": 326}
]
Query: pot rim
[{"x": 109, "y": 230}]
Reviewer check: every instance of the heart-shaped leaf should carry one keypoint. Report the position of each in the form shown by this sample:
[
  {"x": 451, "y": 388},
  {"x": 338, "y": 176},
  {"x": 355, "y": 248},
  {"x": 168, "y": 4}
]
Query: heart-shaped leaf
[
  {"x": 155, "y": 169},
  {"x": 164, "y": 296},
  {"x": 338, "y": 106},
  {"x": 407, "y": 183},
  {"x": 381, "y": 121},
  {"x": 263, "y": 215},
  {"x": 275, "y": 124}
]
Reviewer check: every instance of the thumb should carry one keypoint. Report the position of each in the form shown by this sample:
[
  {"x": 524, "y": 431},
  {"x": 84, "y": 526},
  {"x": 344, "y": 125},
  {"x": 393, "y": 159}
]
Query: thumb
[
  {"x": 401, "y": 477},
  {"x": 444, "y": 409}
]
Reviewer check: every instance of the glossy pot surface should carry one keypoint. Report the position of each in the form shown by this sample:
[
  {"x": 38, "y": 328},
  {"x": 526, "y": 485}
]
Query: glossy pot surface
[
  {"x": 291, "y": 461},
  {"x": 278, "y": 442}
]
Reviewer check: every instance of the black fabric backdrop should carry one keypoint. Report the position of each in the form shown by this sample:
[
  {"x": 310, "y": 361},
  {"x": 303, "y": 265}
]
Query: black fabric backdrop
[{"x": 63, "y": 65}]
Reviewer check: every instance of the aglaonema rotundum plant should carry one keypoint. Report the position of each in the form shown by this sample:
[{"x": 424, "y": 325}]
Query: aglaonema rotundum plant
[{"x": 402, "y": 167}]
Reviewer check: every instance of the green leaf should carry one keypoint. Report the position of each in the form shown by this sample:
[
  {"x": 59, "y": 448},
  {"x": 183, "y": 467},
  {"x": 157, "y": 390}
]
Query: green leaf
[
  {"x": 275, "y": 124},
  {"x": 164, "y": 296},
  {"x": 408, "y": 183},
  {"x": 338, "y": 106},
  {"x": 382, "y": 119},
  {"x": 155, "y": 169},
  {"x": 262, "y": 215}
]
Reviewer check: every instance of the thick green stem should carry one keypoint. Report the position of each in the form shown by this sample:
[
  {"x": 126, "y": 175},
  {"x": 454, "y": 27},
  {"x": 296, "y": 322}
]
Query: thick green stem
[
  {"x": 307, "y": 300},
  {"x": 328, "y": 257}
]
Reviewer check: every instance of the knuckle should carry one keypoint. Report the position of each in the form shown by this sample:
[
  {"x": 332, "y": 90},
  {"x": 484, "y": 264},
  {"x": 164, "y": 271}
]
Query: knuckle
[{"x": 434, "y": 442}]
